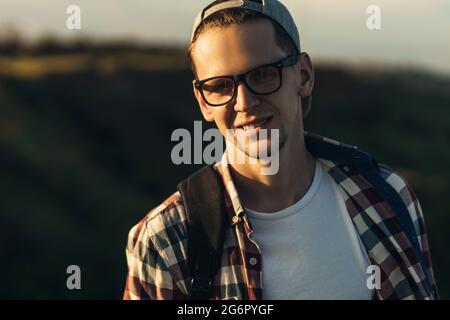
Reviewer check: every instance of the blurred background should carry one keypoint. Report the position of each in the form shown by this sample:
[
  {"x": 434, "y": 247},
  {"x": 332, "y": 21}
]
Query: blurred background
[{"x": 86, "y": 118}]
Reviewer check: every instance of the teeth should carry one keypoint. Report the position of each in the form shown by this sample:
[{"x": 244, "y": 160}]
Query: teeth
[{"x": 252, "y": 126}]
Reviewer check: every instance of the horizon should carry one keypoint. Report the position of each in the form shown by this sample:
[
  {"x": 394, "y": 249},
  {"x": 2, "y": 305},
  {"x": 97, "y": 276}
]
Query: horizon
[{"x": 321, "y": 24}]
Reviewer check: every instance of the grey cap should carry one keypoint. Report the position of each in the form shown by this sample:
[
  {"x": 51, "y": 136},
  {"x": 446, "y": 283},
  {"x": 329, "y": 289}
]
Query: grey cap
[{"x": 273, "y": 9}]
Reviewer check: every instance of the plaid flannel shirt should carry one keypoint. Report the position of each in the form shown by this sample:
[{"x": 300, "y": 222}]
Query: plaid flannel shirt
[{"x": 157, "y": 246}]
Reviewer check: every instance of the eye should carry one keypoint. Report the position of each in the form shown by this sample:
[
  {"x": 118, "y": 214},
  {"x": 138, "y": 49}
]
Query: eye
[
  {"x": 264, "y": 74},
  {"x": 218, "y": 86}
]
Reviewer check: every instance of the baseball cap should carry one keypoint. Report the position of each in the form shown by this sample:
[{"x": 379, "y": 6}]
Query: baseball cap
[{"x": 272, "y": 9}]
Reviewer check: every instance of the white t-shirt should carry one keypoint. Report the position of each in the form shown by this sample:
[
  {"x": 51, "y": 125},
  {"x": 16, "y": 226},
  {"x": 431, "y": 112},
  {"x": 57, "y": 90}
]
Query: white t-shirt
[{"x": 311, "y": 249}]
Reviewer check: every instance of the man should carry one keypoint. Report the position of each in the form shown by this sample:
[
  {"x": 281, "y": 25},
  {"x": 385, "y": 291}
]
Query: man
[{"x": 310, "y": 231}]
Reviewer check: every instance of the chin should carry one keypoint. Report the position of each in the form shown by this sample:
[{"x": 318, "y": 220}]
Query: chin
[{"x": 258, "y": 150}]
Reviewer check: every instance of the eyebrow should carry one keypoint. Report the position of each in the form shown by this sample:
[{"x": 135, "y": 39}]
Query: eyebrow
[{"x": 241, "y": 73}]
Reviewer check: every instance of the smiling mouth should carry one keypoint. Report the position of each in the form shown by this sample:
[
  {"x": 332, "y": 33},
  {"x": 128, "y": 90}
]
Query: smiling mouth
[{"x": 255, "y": 124}]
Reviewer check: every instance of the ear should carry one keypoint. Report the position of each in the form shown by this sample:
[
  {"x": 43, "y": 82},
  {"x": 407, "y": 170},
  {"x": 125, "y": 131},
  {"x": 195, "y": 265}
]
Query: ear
[
  {"x": 204, "y": 108},
  {"x": 306, "y": 72}
]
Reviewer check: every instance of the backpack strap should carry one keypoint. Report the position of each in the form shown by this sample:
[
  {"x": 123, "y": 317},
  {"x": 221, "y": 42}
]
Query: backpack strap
[{"x": 205, "y": 209}]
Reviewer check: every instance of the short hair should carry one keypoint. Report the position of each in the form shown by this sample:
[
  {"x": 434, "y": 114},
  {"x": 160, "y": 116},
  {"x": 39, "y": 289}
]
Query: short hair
[{"x": 239, "y": 16}]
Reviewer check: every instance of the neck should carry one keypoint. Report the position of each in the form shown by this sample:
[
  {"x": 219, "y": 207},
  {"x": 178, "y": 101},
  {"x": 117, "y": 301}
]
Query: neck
[{"x": 270, "y": 193}]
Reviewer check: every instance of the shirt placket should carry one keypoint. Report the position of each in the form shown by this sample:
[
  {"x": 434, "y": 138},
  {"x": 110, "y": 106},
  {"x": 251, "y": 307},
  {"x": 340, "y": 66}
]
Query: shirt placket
[{"x": 251, "y": 256}]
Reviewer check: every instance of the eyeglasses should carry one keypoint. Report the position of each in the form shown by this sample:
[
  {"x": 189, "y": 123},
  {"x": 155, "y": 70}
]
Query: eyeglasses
[{"x": 263, "y": 80}]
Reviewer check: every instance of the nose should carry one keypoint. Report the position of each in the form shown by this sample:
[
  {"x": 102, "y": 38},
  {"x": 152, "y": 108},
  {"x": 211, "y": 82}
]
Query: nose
[{"x": 245, "y": 100}]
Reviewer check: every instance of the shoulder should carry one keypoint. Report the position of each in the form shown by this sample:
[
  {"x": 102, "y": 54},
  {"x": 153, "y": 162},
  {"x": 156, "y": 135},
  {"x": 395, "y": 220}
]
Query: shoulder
[
  {"x": 162, "y": 227},
  {"x": 399, "y": 183},
  {"x": 156, "y": 253}
]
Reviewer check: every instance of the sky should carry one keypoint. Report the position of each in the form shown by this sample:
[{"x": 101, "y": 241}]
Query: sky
[{"x": 414, "y": 33}]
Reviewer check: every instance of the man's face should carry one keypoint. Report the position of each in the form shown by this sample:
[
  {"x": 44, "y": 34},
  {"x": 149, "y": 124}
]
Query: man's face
[{"x": 237, "y": 49}]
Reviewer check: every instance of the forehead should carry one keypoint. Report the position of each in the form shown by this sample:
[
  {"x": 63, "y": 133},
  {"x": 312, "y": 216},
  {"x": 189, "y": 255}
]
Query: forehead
[{"x": 235, "y": 49}]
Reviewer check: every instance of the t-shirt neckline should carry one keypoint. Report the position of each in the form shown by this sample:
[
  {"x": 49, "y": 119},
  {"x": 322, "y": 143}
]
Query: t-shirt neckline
[{"x": 296, "y": 207}]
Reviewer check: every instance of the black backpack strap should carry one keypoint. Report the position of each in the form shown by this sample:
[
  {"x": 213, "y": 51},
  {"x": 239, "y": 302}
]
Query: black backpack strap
[{"x": 203, "y": 198}]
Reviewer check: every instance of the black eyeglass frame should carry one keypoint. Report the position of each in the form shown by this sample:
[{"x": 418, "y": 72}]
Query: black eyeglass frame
[{"x": 285, "y": 62}]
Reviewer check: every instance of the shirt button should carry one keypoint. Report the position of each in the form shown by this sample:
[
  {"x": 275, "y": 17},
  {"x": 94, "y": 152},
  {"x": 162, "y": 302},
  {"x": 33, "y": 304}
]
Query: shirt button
[
  {"x": 346, "y": 168},
  {"x": 236, "y": 219},
  {"x": 253, "y": 261}
]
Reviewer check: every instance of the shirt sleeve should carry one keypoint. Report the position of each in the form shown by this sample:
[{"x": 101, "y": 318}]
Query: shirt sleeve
[
  {"x": 148, "y": 277},
  {"x": 414, "y": 208}
]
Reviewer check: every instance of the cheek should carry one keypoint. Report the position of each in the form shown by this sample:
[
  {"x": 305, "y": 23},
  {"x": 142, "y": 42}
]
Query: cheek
[
  {"x": 287, "y": 107},
  {"x": 222, "y": 119},
  {"x": 285, "y": 102}
]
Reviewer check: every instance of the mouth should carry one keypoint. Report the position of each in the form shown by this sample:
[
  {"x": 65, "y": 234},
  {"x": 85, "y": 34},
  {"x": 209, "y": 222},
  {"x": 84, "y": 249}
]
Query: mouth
[{"x": 255, "y": 124}]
